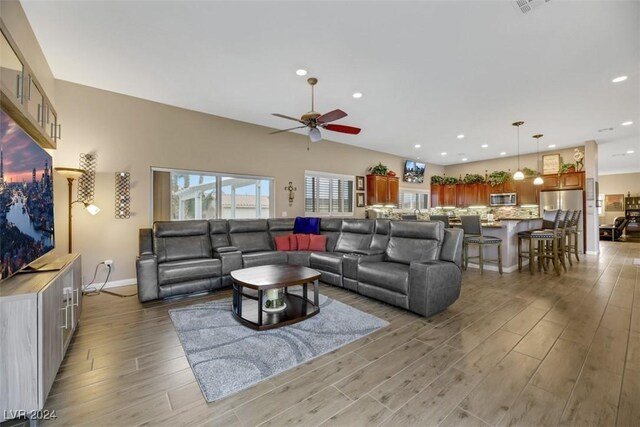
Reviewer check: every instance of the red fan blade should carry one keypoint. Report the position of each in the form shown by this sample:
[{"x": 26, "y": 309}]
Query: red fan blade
[
  {"x": 286, "y": 130},
  {"x": 343, "y": 129},
  {"x": 288, "y": 118},
  {"x": 331, "y": 116}
]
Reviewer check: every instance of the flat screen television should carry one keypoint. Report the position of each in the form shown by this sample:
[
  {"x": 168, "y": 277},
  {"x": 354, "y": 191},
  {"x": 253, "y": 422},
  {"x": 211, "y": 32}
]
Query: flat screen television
[
  {"x": 26, "y": 198},
  {"x": 413, "y": 172}
]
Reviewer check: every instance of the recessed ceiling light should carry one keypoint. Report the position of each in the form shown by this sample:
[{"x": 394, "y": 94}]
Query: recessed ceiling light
[
  {"x": 357, "y": 95},
  {"x": 552, "y": 145},
  {"x": 417, "y": 146},
  {"x": 444, "y": 153},
  {"x": 460, "y": 136},
  {"x": 464, "y": 159},
  {"x": 484, "y": 145},
  {"x": 630, "y": 151},
  {"x": 619, "y": 79},
  {"x": 301, "y": 72},
  {"x": 626, "y": 123},
  {"x": 503, "y": 153}
]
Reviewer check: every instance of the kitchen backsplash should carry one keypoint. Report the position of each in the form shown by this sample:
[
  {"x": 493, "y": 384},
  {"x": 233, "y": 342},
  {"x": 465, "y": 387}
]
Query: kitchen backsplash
[{"x": 498, "y": 212}]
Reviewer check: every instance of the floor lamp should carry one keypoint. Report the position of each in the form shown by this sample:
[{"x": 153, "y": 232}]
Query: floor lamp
[{"x": 71, "y": 174}]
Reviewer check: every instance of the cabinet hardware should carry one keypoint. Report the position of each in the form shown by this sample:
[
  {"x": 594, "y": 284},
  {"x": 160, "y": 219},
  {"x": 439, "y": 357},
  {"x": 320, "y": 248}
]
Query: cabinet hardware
[
  {"x": 53, "y": 131},
  {"x": 77, "y": 291},
  {"x": 59, "y": 133},
  {"x": 18, "y": 86},
  {"x": 66, "y": 311},
  {"x": 39, "y": 113},
  {"x": 29, "y": 89}
]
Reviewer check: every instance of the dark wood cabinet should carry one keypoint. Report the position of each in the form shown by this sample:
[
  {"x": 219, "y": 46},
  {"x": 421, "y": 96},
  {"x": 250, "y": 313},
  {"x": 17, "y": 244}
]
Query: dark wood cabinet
[
  {"x": 382, "y": 190},
  {"x": 527, "y": 193},
  {"x": 565, "y": 181},
  {"x": 461, "y": 195},
  {"x": 449, "y": 196},
  {"x": 437, "y": 195}
]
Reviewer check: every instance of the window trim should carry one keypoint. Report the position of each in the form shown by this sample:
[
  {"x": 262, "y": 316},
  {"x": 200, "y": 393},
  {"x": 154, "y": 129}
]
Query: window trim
[
  {"x": 416, "y": 192},
  {"x": 330, "y": 176},
  {"x": 219, "y": 176}
]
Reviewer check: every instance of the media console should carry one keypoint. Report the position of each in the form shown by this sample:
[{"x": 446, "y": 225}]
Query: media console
[{"x": 39, "y": 313}]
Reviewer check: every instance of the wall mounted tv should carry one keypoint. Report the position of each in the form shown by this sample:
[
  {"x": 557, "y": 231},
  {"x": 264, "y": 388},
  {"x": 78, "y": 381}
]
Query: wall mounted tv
[
  {"x": 26, "y": 198},
  {"x": 413, "y": 172}
]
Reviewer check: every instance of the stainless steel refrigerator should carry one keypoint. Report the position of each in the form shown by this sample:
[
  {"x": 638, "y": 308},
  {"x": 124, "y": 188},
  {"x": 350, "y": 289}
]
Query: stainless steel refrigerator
[{"x": 565, "y": 199}]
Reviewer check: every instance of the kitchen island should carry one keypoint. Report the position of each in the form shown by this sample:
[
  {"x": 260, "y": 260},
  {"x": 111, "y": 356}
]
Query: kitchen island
[{"x": 506, "y": 229}]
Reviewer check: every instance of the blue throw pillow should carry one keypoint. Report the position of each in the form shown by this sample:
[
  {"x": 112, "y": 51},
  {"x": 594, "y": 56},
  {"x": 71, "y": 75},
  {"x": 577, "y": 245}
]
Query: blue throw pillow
[{"x": 304, "y": 225}]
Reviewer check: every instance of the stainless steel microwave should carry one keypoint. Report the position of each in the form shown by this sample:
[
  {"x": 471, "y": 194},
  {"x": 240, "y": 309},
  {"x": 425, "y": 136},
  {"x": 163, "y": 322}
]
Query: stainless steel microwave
[{"x": 503, "y": 199}]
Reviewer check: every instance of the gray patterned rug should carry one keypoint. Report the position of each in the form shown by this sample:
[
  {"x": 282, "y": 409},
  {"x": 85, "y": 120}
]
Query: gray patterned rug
[{"x": 227, "y": 357}]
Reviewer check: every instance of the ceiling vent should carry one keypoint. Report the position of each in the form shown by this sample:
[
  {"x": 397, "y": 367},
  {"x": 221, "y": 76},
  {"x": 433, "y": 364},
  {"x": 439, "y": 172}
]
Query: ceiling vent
[{"x": 526, "y": 6}]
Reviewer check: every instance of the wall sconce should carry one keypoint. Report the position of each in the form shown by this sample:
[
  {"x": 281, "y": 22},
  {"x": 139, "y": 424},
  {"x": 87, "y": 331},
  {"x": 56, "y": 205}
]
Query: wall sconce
[
  {"x": 87, "y": 182},
  {"x": 123, "y": 186},
  {"x": 291, "y": 189}
]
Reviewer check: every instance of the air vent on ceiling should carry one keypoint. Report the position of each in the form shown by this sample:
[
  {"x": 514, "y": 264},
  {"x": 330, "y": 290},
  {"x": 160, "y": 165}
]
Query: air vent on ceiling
[{"x": 527, "y": 5}]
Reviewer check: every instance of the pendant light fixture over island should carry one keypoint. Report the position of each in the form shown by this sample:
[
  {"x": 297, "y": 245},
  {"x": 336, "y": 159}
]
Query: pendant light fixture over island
[
  {"x": 538, "y": 180},
  {"x": 518, "y": 175}
]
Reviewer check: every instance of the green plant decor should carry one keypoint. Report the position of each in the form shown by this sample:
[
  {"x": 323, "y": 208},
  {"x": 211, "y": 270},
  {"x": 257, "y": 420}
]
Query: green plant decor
[
  {"x": 379, "y": 169},
  {"x": 437, "y": 179},
  {"x": 473, "y": 178},
  {"x": 451, "y": 180},
  {"x": 499, "y": 177},
  {"x": 529, "y": 172},
  {"x": 566, "y": 167}
]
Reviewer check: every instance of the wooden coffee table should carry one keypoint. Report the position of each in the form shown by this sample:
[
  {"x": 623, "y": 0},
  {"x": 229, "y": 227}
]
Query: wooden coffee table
[{"x": 268, "y": 277}]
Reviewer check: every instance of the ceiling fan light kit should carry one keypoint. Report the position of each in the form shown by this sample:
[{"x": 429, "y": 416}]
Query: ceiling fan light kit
[
  {"x": 314, "y": 120},
  {"x": 518, "y": 175}
]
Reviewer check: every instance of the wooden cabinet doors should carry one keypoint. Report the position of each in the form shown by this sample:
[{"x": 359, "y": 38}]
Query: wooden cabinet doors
[
  {"x": 449, "y": 197},
  {"x": 528, "y": 194},
  {"x": 393, "y": 190},
  {"x": 382, "y": 190},
  {"x": 437, "y": 195}
]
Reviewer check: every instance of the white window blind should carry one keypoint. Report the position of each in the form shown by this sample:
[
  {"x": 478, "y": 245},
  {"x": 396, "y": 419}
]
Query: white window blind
[
  {"x": 410, "y": 200},
  {"x": 328, "y": 194}
]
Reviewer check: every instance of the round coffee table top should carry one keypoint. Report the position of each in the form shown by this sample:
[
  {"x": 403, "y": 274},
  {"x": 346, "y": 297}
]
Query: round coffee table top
[{"x": 274, "y": 276}]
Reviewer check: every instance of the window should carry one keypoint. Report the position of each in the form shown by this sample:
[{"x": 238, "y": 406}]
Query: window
[
  {"x": 328, "y": 194},
  {"x": 180, "y": 195},
  {"x": 411, "y": 199}
]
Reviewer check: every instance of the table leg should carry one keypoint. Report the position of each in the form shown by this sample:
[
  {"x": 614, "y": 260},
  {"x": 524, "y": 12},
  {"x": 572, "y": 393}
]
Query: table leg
[
  {"x": 260, "y": 296},
  {"x": 316, "y": 298},
  {"x": 239, "y": 301},
  {"x": 305, "y": 294}
]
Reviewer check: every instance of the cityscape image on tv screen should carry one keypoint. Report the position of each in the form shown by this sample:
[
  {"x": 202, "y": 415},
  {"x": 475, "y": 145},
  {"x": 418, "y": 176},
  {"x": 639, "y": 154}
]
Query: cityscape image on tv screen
[
  {"x": 26, "y": 198},
  {"x": 414, "y": 172}
]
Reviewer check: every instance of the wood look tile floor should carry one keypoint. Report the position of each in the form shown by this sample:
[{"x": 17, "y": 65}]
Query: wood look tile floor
[{"x": 514, "y": 350}]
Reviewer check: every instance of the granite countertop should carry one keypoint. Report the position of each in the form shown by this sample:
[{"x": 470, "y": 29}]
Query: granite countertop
[{"x": 484, "y": 224}]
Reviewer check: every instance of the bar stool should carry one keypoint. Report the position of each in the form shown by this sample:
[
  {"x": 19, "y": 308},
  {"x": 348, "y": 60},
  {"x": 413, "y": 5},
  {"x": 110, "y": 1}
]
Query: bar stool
[
  {"x": 549, "y": 218},
  {"x": 548, "y": 243},
  {"x": 566, "y": 240},
  {"x": 573, "y": 233},
  {"x": 473, "y": 236},
  {"x": 443, "y": 218}
]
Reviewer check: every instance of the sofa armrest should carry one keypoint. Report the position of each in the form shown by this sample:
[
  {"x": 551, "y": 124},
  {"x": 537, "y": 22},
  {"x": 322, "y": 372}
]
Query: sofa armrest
[
  {"x": 350, "y": 263},
  {"x": 231, "y": 259},
  {"x": 223, "y": 249},
  {"x": 145, "y": 241},
  {"x": 147, "y": 273},
  {"x": 368, "y": 252},
  {"x": 433, "y": 286}
]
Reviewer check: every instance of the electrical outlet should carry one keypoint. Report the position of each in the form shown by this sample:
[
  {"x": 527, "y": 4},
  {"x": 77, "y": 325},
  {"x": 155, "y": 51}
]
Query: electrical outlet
[{"x": 108, "y": 263}]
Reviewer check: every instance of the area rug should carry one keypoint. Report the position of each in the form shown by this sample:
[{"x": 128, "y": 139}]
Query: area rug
[{"x": 227, "y": 357}]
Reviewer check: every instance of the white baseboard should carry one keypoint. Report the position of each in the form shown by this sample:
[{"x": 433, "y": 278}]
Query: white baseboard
[
  {"x": 592, "y": 252},
  {"x": 510, "y": 269},
  {"x": 114, "y": 284}
]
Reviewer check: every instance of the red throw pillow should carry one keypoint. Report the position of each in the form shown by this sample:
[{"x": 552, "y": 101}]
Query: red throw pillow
[
  {"x": 318, "y": 243},
  {"x": 303, "y": 242},
  {"x": 282, "y": 243},
  {"x": 293, "y": 242}
]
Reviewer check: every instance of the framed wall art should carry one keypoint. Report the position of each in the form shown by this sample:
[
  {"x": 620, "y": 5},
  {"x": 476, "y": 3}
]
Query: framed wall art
[
  {"x": 550, "y": 164},
  {"x": 359, "y": 183}
]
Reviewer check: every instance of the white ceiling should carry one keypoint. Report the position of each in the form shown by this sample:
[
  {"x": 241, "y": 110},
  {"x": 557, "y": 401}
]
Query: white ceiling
[{"x": 429, "y": 70}]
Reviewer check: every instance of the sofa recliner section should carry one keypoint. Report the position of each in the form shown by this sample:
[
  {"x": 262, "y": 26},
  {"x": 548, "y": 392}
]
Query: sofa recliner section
[{"x": 413, "y": 265}]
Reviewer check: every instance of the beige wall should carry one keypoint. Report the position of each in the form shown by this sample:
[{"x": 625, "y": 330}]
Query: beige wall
[
  {"x": 506, "y": 163},
  {"x": 130, "y": 134},
  {"x": 617, "y": 184},
  {"x": 16, "y": 21}
]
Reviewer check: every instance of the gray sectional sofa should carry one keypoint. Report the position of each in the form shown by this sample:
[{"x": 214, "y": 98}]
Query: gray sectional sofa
[{"x": 415, "y": 265}]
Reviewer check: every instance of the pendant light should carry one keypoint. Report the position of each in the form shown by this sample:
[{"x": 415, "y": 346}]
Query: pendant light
[
  {"x": 518, "y": 175},
  {"x": 538, "y": 180}
]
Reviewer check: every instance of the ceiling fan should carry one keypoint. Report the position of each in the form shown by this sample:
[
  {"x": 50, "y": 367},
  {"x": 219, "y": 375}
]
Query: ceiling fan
[{"x": 314, "y": 121}]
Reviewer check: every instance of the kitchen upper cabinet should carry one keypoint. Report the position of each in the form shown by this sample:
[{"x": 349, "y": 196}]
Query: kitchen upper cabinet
[
  {"x": 564, "y": 181},
  {"x": 461, "y": 195},
  {"x": 527, "y": 193},
  {"x": 22, "y": 96},
  {"x": 382, "y": 190},
  {"x": 437, "y": 195},
  {"x": 449, "y": 197}
]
